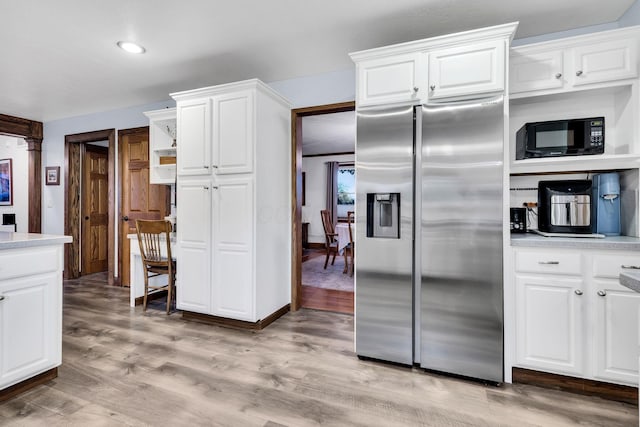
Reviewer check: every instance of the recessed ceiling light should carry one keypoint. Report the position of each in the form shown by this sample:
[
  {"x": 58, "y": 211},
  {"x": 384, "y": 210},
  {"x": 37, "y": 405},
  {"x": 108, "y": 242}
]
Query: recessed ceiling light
[{"x": 131, "y": 47}]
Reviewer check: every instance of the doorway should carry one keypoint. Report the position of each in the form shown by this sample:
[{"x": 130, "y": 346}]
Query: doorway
[
  {"x": 313, "y": 296},
  {"x": 139, "y": 199},
  {"x": 89, "y": 246},
  {"x": 94, "y": 201}
]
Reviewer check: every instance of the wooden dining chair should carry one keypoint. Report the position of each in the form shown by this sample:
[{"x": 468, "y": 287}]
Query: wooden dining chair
[
  {"x": 350, "y": 249},
  {"x": 150, "y": 233},
  {"x": 330, "y": 237}
]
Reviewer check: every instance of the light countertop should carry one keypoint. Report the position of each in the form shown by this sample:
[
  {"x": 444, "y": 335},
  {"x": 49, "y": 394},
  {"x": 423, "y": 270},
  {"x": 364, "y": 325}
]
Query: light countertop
[
  {"x": 608, "y": 243},
  {"x": 10, "y": 240},
  {"x": 631, "y": 279}
]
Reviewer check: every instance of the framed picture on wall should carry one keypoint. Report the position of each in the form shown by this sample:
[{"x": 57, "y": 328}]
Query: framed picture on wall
[
  {"x": 52, "y": 174},
  {"x": 6, "y": 183}
]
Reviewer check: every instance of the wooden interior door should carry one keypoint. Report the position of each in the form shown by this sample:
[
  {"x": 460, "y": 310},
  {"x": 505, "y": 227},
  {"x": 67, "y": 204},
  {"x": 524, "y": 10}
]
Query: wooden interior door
[
  {"x": 139, "y": 199},
  {"x": 95, "y": 209}
]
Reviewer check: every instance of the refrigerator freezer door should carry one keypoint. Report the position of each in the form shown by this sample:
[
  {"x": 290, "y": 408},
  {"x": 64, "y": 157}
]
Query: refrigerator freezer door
[
  {"x": 384, "y": 167},
  {"x": 461, "y": 238}
]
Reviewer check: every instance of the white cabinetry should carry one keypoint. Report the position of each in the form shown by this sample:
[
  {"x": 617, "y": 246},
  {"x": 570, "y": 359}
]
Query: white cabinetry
[
  {"x": 567, "y": 64},
  {"x": 390, "y": 79},
  {"x": 162, "y": 147},
  {"x": 594, "y": 75},
  {"x": 30, "y": 311},
  {"x": 233, "y": 219},
  {"x": 193, "y": 233},
  {"x": 467, "y": 70},
  {"x": 572, "y": 316},
  {"x": 233, "y": 133},
  {"x": 462, "y": 65},
  {"x": 194, "y": 137}
]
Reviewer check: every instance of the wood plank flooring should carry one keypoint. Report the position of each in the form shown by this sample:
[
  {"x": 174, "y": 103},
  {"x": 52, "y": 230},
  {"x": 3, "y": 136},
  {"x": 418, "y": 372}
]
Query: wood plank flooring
[{"x": 125, "y": 367}]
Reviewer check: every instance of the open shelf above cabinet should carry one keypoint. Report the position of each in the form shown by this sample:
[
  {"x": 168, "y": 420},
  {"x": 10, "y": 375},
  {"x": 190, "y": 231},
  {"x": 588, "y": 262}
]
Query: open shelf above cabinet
[
  {"x": 600, "y": 162},
  {"x": 162, "y": 150}
]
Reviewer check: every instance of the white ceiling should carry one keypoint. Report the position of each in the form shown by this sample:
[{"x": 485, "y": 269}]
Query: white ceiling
[
  {"x": 59, "y": 58},
  {"x": 329, "y": 133}
]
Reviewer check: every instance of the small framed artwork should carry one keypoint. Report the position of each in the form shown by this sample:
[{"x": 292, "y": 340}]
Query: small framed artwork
[
  {"x": 6, "y": 183},
  {"x": 52, "y": 174}
]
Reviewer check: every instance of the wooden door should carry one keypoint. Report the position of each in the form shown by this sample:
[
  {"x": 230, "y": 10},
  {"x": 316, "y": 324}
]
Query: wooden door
[
  {"x": 139, "y": 199},
  {"x": 95, "y": 209}
]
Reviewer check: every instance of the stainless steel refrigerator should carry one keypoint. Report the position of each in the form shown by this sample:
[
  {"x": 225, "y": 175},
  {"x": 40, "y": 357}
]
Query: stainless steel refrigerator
[{"x": 429, "y": 183}]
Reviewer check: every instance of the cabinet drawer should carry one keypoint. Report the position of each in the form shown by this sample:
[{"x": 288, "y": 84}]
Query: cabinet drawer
[
  {"x": 28, "y": 262},
  {"x": 553, "y": 262},
  {"x": 611, "y": 265}
]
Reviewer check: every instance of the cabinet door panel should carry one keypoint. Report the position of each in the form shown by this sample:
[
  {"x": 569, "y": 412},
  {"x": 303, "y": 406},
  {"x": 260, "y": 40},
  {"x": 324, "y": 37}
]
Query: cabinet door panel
[
  {"x": 466, "y": 70},
  {"x": 233, "y": 291},
  {"x": 535, "y": 71},
  {"x": 548, "y": 324},
  {"x": 616, "y": 333},
  {"x": 193, "y": 281},
  {"x": 233, "y": 132},
  {"x": 388, "y": 80},
  {"x": 194, "y": 137},
  {"x": 612, "y": 60},
  {"x": 29, "y": 327}
]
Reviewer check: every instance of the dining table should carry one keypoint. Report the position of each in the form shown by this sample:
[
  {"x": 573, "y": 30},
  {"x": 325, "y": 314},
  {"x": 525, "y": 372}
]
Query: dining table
[{"x": 342, "y": 230}]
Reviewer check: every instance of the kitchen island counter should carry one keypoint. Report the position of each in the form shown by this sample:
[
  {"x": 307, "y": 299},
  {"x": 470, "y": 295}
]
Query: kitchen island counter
[
  {"x": 9, "y": 240},
  {"x": 30, "y": 310}
]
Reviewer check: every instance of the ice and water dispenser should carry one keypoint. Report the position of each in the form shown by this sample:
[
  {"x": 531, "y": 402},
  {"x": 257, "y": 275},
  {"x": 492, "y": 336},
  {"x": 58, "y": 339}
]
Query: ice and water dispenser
[
  {"x": 606, "y": 194},
  {"x": 383, "y": 215}
]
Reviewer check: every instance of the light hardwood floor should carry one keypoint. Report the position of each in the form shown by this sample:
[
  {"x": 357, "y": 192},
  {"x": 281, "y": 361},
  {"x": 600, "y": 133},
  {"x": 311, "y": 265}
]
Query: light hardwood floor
[{"x": 125, "y": 367}]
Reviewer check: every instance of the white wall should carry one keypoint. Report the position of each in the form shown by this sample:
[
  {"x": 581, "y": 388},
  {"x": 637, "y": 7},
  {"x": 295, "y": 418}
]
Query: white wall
[
  {"x": 16, "y": 150},
  {"x": 315, "y": 192}
]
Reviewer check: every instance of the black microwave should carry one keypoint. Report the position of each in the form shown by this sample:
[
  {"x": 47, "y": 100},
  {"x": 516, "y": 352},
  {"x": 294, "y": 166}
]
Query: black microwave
[{"x": 574, "y": 137}]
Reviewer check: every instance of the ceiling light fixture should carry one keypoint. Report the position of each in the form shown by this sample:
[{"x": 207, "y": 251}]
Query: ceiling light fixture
[{"x": 131, "y": 47}]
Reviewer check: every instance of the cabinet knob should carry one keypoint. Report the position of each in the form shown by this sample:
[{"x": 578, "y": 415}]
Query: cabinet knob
[
  {"x": 602, "y": 293},
  {"x": 416, "y": 89},
  {"x": 548, "y": 262},
  {"x": 578, "y": 292},
  {"x": 630, "y": 267},
  {"x": 215, "y": 166},
  {"x": 205, "y": 187},
  {"x": 579, "y": 73},
  {"x": 432, "y": 87},
  {"x": 206, "y": 166},
  {"x": 558, "y": 75},
  {"x": 1, "y": 297},
  {"x": 215, "y": 187}
]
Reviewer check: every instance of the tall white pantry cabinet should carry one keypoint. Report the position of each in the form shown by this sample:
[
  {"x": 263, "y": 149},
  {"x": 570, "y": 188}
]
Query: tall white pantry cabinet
[{"x": 233, "y": 201}]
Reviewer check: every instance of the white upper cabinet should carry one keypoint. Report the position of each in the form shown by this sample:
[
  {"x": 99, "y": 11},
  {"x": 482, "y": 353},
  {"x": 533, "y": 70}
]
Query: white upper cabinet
[
  {"x": 233, "y": 132},
  {"x": 573, "y": 64},
  {"x": 194, "y": 137},
  {"x": 611, "y": 60},
  {"x": 536, "y": 71},
  {"x": 455, "y": 66},
  {"x": 390, "y": 79},
  {"x": 467, "y": 70}
]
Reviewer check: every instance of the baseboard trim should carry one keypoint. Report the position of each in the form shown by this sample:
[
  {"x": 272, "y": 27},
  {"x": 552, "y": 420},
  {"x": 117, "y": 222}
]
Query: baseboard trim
[
  {"x": 223, "y": 321},
  {"x": 28, "y": 384},
  {"x": 617, "y": 392},
  {"x": 151, "y": 297}
]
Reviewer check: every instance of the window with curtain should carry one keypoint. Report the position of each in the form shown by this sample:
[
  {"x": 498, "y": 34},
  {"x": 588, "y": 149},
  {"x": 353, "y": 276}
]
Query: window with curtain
[{"x": 346, "y": 189}]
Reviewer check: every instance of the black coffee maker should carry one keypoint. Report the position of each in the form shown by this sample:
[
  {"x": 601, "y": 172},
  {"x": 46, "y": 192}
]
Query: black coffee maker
[{"x": 518, "y": 221}]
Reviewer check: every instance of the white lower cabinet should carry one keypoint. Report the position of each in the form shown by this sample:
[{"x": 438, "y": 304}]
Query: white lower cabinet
[
  {"x": 549, "y": 322},
  {"x": 582, "y": 322},
  {"x": 30, "y": 312},
  {"x": 232, "y": 254}
]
